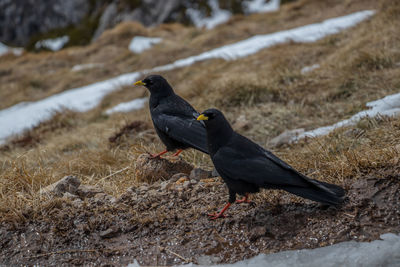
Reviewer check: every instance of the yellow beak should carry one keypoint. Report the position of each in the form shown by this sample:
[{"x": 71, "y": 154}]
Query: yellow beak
[
  {"x": 202, "y": 118},
  {"x": 139, "y": 83}
]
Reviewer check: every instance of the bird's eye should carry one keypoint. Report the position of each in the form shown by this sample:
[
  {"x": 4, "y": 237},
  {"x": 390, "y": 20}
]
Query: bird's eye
[{"x": 210, "y": 116}]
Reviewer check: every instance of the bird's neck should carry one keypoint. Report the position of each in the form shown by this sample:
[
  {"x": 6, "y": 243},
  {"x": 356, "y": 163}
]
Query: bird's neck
[{"x": 223, "y": 135}]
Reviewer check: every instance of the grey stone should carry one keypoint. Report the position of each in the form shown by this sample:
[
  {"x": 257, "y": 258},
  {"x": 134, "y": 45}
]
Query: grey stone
[
  {"x": 68, "y": 184},
  {"x": 285, "y": 138},
  {"x": 88, "y": 191},
  {"x": 110, "y": 232},
  {"x": 198, "y": 174}
]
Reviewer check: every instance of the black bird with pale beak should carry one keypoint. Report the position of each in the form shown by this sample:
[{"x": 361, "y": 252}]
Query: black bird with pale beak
[
  {"x": 246, "y": 167},
  {"x": 174, "y": 118}
]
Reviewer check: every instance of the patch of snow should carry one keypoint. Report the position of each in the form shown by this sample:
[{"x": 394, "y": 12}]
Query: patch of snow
[
  {"x": 52, "y": 44},
  {"x": 305, "y": 34},
  {"x": 259, "y": 6},
  {"x": 86, "y": 66},
  {"x": 19, "y": 117},
  {"x": 383, "y": 252},
  {"x": 218, "y": 16},
  {"x": 4, "y": 49},
  {"x": 141, "y": 43},
  {"x": 309, "y": 68},
  {"x": 135, "y": 104},
  {"x": 387, "y": 106}
]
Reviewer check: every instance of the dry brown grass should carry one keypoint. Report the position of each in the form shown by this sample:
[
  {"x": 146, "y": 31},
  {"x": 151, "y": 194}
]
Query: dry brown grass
[{"x": 357, "y": 66}]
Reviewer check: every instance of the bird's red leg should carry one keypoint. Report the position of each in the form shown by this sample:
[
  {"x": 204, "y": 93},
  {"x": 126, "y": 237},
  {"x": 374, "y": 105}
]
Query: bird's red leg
[
  {"x": 177, "y": 152},
  {"x": 245, "y": 199},
  {"x": 159, "y": 154},
  {"x": 220, "y": 214}
]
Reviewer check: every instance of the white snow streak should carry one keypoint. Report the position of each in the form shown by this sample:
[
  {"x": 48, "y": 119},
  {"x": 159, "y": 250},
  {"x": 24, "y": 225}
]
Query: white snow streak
[
  {"x": 218, "y": 16},
  {"x": 387, "y": 106},
  {"x": 26, "y": 115},
  {"x": 259, "y": 6},
  {"x": 141, "y": 43},
  {"x": 52, "y": 44},
  {"x": 309, "y": 68},
  {"x": 135, "y": 104},
  {"x": 6, "y": 49}
]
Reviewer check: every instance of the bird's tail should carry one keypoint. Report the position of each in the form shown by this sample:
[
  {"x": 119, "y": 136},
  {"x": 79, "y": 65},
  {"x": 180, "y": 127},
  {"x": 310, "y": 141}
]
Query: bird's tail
[{"x": 319, "y": 191}]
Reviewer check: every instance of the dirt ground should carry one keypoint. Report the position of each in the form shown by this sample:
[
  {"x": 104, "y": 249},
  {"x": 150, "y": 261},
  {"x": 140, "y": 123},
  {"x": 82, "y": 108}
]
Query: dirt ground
[{"x": 166, "y": 223}]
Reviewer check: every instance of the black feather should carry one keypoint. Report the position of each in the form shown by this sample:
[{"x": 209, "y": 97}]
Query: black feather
[
  {"x": 246, "y": 166},
  {"x": 174, "y": 118}
]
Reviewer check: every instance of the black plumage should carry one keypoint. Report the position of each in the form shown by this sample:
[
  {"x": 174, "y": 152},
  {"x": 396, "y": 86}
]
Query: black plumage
[
  {"x": 246, "y": 167},
  {"x": 173, "y": 117}
]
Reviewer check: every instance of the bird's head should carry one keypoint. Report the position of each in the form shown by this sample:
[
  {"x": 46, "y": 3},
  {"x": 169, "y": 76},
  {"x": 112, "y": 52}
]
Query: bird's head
[
  {"x": 218, "y": 128},
  {"x": 209, "y": 115},
  {"x": 156, "y": 85},
  {"x": 213, "y": 118}
]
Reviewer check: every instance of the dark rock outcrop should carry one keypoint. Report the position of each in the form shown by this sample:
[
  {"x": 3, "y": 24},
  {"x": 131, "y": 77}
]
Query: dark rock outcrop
[{"x": 20, "y": 19}]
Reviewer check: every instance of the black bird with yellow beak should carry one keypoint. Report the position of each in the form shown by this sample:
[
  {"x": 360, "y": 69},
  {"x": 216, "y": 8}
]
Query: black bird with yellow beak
[
  {"x": 246, "y": 167},
  {"x": 173, "y": 117}
]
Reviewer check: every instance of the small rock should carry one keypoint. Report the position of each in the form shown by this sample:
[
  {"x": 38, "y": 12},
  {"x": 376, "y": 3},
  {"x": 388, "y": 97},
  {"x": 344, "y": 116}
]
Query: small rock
[
  {"x": 110, "y": 232},
  {"x": 285, "y": 138},
  {"x": 100, "y": 198},
  {"x": 177, "y": 176},
  {"x": 164, "y": 185},
  {"x": 68, "y": 184},
  {"x": 150, "y": 169},
  {"x": 70, "y": 196},
  {"x": 198, "y": 174},
  {"x": 182, "y": 180},
  {"x": 88, "y": 191}
]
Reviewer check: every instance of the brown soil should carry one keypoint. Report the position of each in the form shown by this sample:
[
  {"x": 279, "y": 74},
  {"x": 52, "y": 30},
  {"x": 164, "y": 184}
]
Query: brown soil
[{"x": 165, "y": 223}]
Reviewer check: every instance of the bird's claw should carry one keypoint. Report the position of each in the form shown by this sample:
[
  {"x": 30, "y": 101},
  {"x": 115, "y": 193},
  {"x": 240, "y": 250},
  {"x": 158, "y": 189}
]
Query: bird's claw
[
  {"x": 244, "y": 201},
  {"x": 215, "y": 216}
]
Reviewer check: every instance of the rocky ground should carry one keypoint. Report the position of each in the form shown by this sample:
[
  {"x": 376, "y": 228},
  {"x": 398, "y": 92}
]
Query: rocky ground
[{"x": 165, "y": 222}]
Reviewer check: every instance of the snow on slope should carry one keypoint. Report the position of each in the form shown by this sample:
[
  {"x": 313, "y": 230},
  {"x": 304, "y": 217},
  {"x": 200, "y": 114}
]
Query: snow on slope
[
  {"x": 305, "y": 34},
  {"x": 27, "y": 115},
  {"x": 218, "y": 16},
  {"x": 142, "y": 43},
  {"x": 6, "y": 49},
  {"x": 308, "y": 69},
  {"x": 384, "y": 252},
  {"x": 259, "y": 6},
  {"x": 387, "y": 106},
  {"x": 135, "y": 104},
  {"x": 52, "y": 44}
]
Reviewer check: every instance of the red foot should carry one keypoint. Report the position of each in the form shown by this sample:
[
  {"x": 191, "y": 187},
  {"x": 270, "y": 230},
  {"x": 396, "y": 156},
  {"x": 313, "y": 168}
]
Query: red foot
[
  {"x": 216, "y": 216},
  {"x": 177, "y": 153},
  {"x": 221, "y": 214},
  {"x": 244, "y": 200},
  {"x": 159, "y": 154}
]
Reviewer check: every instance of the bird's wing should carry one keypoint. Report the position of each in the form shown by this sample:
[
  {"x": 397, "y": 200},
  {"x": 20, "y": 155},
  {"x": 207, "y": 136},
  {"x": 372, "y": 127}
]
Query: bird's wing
[
  {"x": 244, "y": 160},
  {"x": 183, "y": 129}
]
